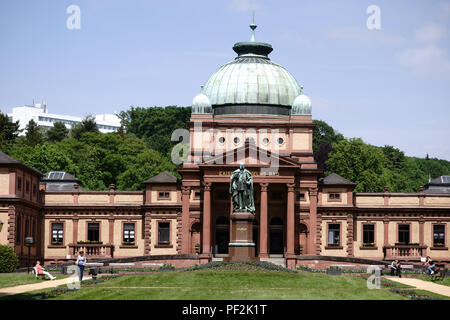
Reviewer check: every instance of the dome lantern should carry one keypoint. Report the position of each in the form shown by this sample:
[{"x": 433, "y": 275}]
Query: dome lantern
[{"x": 201, "y": 104}]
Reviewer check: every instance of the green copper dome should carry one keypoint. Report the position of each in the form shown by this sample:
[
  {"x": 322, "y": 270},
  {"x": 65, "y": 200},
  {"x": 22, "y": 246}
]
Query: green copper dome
[{"x": 251, "y": 83}]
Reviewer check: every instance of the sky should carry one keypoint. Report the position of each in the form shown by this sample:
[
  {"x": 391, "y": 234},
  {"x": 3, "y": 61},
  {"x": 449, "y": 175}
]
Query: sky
[{"x": 388, "y": 86}]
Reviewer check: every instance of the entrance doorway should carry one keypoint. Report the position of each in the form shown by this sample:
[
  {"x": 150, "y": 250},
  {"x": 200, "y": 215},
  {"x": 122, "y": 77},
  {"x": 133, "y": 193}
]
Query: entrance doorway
[
  {"x": 222, "y": 235},
  {"x": 276, "y": 236}
]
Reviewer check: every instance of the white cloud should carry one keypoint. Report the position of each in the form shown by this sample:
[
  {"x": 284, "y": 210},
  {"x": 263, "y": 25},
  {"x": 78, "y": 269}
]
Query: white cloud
[
  {"x": 365, "y": 35},
  {"x": 427, "y": 60},
  {"x": 244, "y": 5},
  {"x": 430, "y": 33}
]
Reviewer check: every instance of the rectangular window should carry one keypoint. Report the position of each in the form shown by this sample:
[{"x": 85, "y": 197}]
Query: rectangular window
[
  {"x": 57, "y": 233},
  {"x": 334, "y": 234},
  {"x": 164, "y": 195},
  {"x": 128, "y": 233},
  {"x": 197, "y": 195},
  {"x": 93, "y": 231},
  {"x": 19, "y": 229},
  {"x": 368, "y": 234},
  {"x": 403, "y": 233},
  {"x": 334, "y": 196},
  {"x": 164, "y": 233},
  {"x": 438, "y": 235},
  {"x": 19, "y": 184},
  {"x": 27, "y": 186},
  {"x": 34, "y": 189}
]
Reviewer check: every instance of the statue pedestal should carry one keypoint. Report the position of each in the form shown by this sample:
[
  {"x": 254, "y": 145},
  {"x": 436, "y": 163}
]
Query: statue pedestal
[{"x": 241, "y": 246}]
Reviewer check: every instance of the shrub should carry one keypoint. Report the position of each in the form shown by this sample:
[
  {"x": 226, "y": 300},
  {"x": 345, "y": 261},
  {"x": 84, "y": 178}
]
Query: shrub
[{"x": 8, "y": 259}]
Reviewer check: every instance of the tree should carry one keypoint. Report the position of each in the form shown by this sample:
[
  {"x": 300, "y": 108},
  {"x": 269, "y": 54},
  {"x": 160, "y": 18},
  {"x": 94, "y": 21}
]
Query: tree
[
  {"x": 358, "y": 162},
  {"x": 8, "y": 131},
  {"x": 88, "y": 124},
  {"x": 156, "y": 124},
  {"x": 146, "y": 165},
  {"x": 323, "y": 138},
  {"x": 58, "y": 132},
  {"x": 33, "y": 135}
]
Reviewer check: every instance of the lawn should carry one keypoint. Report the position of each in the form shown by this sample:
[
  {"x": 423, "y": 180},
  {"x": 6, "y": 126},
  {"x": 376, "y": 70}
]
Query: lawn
[
  {"x": 445, "y": 281},
  {"x": 16, "y": 279},
  {"x": 223, "y": 284}
]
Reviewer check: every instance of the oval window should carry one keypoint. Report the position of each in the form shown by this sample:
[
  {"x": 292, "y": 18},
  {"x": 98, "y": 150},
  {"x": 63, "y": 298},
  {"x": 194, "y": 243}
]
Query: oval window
[
  {"x": 280, "y": 140},
  {"x": 265, "y": 140},
  {"x": 221, "y": 139},
  {"x": 236, "y": 140}
]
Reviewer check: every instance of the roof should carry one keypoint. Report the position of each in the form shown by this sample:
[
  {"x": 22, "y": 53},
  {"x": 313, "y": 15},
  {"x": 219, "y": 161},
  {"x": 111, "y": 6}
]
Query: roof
[
  {"x": 439, "y": 185},
  {"x": 8, "y": 160},
  {"x": 5, "y": 159},
  {"x": 335, "y": 179},
  {"x": 163, "y": 177},
  {"x": 59, "y": 176}
]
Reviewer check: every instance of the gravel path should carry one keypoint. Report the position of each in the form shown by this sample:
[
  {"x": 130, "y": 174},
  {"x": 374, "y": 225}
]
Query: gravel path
[{"x": 423, "y": 285}]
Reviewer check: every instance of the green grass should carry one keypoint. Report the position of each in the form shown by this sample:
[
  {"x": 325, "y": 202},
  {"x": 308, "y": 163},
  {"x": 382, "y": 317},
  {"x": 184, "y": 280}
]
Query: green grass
[
  {"x": 16, "y": 279},
  {"x": 445, "y": 281},
  {"x": 228, "y": 284}
]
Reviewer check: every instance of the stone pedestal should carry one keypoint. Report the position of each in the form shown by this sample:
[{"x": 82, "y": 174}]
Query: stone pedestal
[{"x": 241, "y": 246}]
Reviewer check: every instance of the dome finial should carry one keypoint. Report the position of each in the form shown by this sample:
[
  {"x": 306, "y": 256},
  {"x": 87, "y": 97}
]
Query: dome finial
[{"x": 253, "y": 27}]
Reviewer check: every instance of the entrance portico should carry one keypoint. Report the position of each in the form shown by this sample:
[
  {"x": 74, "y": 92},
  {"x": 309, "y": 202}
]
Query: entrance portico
[{"x": 277, "y": 204}]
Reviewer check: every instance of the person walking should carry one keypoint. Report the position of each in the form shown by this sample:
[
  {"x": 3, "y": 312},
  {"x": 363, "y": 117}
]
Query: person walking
[
  {"x": 41, "y": 270},
  {"x": 81, "y": 262},
  {"x": 393, "y": 267},
  {"x": 399, "y": 268}
]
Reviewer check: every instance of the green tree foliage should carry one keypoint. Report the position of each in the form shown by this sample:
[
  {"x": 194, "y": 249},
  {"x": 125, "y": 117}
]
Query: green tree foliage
[
  {"x": 8, "y": 259},
  {"x": 87, "y": 125},
  {"x": 33, "y": 134},
  {"x": 156, "y": 124},
  {"x": 58, "y": 132},
  {"x": 8, "y": 131},
  {"x": 323, "y": 138}
]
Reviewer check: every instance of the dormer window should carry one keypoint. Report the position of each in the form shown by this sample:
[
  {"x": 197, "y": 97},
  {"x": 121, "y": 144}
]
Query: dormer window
[
  {"x": 334, "y": 197},
  {"x": 163, "y": 195}
]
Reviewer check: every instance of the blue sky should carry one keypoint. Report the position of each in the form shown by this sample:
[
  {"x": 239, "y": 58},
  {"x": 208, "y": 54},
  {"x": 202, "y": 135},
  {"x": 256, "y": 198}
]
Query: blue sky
[{"x": 388, "y": 86}]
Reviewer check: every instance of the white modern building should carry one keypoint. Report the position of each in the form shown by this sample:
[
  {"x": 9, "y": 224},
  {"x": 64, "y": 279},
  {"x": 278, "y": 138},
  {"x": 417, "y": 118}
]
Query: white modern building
[{"x": 39, "y": 113}]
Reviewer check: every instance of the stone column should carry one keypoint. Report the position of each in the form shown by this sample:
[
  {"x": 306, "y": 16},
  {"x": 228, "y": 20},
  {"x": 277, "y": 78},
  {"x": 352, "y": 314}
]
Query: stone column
[
  {"x": 350, "y": 232},
  {"x": 206, "y": 222},
  {"x": 147, "y": 232},
  {"x": 185, "y": 233},
  {"x": 263, "y": 223},
  {"x": 75, "y": 228},
  {"x": 313, "y": 230},
  {"x": 386, "y": 230},
  {"x": 290, "y": 224}
]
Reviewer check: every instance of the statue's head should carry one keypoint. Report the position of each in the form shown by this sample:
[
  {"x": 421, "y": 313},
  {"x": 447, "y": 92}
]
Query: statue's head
[{"x": 241, "y": 166}]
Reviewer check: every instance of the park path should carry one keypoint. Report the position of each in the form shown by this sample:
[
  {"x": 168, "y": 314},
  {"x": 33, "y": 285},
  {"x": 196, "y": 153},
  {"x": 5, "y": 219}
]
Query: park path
[
  {"x": 423, "y": 285},
  {"x": 45, "y": 284}
]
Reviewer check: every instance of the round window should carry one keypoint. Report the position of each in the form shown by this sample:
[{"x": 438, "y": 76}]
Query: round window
[
  {"x": 221, "y": 139},
  {"x": 265, "y": 140},
  {"x": 280, "y": 140},
  {"x": 236, "y": 140}
]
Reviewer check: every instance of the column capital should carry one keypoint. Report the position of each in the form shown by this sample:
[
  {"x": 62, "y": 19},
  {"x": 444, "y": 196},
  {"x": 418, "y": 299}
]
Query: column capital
[
  {"x": 313, "y": 191},
  {"x": 185, "y": 190},
  {"x": 264, "y": 186},
  {"x": 290, "y": 187},
  {"x": 207, "y": 186}
]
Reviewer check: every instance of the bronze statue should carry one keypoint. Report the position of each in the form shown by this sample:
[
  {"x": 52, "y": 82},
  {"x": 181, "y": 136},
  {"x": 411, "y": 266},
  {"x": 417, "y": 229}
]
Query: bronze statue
[{"x": 241, "y": 190}]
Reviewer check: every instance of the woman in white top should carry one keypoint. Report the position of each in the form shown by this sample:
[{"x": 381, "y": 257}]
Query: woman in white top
[{"x": 81, "y": 262}]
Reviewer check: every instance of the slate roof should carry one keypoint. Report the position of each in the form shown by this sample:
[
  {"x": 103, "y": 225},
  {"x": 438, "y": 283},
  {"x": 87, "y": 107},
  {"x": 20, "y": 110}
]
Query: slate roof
[
  {"x": 439, "y": 185},
  {"x": 163, "y": 177},
  {"x": 335, "y": 179},
  {"x": 7, "y": 160},
  {"x": 60, "y": 181}
]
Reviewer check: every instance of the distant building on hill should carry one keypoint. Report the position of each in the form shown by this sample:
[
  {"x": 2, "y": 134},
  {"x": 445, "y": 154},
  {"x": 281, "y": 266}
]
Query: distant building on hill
[{"x": 39, "y": 113}]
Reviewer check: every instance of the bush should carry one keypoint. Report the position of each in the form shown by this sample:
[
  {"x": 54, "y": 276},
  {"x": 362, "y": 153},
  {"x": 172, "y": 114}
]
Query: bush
[{"x": 8, "y": 259}]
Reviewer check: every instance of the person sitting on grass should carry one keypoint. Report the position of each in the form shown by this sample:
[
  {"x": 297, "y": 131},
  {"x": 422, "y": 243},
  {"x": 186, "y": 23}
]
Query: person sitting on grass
[
  {"x": 40, "y": 270},
  {"x": 430, "y": 265}
]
